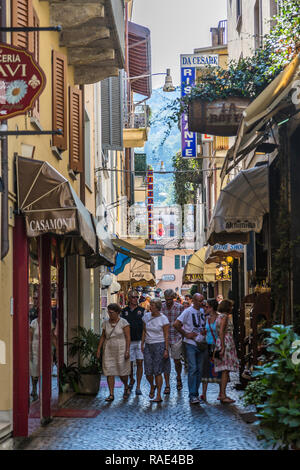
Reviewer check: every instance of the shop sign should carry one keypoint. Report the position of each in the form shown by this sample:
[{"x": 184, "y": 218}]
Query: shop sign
[
  {"x": 51, "y": 224},
  {"x": 189, "y": 63},
  {"x": 21, "y": 81},
  {"x": 193, "y": 277},
  {"x": 168, "y": 277},
  {"x": 220, "y": 117}
]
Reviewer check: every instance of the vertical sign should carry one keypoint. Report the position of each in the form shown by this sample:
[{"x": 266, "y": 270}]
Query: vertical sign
[
  {"x": 188, "y": 139},
  {"x": 150, "y": 202},
  {"x": 189, "y": 63}
]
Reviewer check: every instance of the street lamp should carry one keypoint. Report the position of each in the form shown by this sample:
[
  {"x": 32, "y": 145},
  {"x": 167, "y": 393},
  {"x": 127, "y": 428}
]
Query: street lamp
[{"x": 168, "y": 86}]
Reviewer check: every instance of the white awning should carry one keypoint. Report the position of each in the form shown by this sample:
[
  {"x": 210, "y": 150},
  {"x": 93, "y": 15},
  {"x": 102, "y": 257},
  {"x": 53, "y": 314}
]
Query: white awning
[{"x": 240, "y": 207}]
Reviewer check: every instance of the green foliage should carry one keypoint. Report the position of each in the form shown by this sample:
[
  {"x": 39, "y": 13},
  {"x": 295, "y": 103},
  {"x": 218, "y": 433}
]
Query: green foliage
[
  {"x": 69, "y": 377},
  {"x": 186, "y": 178},
  {"x": 85, "y": 344},
  {"x": 279, "y": 415},
  {"x": 255, "y": 393}
]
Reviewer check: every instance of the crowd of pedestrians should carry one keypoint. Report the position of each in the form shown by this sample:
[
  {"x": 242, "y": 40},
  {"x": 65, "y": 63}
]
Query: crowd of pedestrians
[{"x": 195, "y": 332}]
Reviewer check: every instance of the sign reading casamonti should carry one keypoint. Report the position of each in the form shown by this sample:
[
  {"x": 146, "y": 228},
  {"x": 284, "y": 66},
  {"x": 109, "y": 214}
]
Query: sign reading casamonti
[
  {"x": 59, "y": 225},
  {"x": 21, "y": 81}
]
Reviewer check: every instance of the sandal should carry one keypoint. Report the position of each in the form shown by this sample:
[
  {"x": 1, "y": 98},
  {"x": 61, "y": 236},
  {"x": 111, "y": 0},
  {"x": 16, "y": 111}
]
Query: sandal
[
  {"x": 167, "y": 391},
  {"x": 110, "y": 398},
  {"x": 131, "y": 384},
  {"x": 226, "y": 400},
  {"x": 151, "y": 394},
  {"x": 126, "y": 392},
  {"x": 179, "y": 384}
]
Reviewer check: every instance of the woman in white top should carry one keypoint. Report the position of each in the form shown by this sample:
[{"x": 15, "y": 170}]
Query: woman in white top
[{"x": 155, "y": 346}]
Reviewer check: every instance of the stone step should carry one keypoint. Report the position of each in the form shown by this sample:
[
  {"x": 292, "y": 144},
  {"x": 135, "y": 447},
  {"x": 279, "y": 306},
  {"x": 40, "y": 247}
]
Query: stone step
[{"x": 5, "y": 428}]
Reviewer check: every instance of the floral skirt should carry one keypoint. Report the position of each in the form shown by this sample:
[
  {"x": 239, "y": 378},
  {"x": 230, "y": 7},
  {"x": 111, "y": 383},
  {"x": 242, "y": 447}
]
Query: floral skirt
[
  {"x": 230, "y": 360},
  {"x": 209, "y": 374},
  {"x": 154, "y": 362}
]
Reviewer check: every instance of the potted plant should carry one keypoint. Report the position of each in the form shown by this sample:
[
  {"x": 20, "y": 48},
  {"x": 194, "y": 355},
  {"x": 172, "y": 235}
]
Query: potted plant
[
  {"x": 69, "y": 378},
  {"x": 85, "y": 345},
  {"x": 279, "y": 379}
]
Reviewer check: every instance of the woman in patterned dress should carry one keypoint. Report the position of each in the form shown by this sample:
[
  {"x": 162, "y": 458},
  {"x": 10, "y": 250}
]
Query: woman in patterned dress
[
  {"x": 228, "y": 360},
  {"x": 115, "y": 340}
]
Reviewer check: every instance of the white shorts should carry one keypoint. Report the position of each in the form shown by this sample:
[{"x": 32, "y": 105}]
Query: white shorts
[
  {"x": 175, "y": 350},
  {"x": 135, "y": 351}
]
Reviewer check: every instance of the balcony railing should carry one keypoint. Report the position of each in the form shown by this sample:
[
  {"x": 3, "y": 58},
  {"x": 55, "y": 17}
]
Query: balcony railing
[{"x": 138, "y": 118}]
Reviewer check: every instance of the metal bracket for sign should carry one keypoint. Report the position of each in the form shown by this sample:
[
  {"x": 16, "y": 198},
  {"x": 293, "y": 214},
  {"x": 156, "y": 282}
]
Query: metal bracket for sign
[
  {"x": 18, "y": 29},
  {"x": 17, "y": 133}
]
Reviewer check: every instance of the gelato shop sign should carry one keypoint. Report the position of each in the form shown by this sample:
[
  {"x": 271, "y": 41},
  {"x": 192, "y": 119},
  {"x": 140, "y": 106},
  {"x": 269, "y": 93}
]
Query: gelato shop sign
[{"x": 21, "y": 81}]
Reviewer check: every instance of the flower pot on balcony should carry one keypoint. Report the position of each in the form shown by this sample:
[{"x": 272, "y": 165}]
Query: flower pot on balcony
[{"x": 219, "y": 117}]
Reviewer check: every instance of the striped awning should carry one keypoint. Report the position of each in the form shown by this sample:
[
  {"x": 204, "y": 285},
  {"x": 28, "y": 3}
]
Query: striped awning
[{"x": 241, "y": 207}]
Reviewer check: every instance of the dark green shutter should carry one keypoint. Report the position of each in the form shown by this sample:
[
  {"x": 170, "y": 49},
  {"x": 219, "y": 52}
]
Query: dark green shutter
[
  {"x": 159, "y": 263},
  {"x": 177, "y": 261}
]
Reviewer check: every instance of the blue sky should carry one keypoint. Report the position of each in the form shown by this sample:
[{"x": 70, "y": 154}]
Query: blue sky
[{"x": 177, "y": 27}]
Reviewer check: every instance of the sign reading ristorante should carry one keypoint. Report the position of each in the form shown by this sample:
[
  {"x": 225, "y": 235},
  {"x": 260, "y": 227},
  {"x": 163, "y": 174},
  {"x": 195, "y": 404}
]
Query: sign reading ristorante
[{"x": 21, "y": 81}]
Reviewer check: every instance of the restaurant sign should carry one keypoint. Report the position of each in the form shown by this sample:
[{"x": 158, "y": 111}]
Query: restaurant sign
[{"x": 21, "y": 81}]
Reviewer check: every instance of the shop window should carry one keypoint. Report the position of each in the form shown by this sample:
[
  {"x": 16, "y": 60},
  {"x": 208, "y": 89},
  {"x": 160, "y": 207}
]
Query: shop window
[
  {"x": 59, "y": 99},
  {"x": 76, "y": 130}
]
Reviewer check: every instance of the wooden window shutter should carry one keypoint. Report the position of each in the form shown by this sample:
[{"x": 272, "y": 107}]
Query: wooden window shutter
[
  {"x": 59, "y": 99},
  {"x": 22, "y": 16},
  {"x": 112, "y": 113},
  {"x": 36, "y": 55},
  {"x": 76, "y": 130},
  {"x": 177, "y": 261}
]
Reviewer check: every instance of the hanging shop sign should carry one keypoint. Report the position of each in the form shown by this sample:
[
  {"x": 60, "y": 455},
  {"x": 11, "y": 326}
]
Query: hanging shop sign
[
  {"x": 220, "y": 117},
  {"x": 21, "y": 81},
  {"x": 150, "y": 202},
  {"x": 189, "y": 63}
]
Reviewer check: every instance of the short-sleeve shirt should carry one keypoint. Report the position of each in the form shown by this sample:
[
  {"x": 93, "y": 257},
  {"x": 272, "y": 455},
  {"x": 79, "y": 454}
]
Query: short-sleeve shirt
[
  {"x": 154, "y": 328},
  {"x": 135, "y": 320},
  {"x": 192, "y": 322},
  {"x": 172, "y": 315}
]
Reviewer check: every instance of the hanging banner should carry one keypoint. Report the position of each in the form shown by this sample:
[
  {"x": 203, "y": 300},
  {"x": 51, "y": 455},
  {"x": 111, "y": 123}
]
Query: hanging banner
[
  {"x": 21, "y": 81},
  {"x": 189, "y": 63}
]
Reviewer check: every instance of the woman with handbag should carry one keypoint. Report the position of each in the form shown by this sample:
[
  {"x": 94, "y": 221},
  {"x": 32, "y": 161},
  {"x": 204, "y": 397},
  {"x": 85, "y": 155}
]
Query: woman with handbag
[
  {"x": 225, "y": 355},
  {"x": 209, "y": 373},
  {"x": 115, "y": 340}
]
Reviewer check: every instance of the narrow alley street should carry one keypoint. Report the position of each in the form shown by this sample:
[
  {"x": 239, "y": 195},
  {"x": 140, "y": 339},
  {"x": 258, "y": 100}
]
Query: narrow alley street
[{"x": 138, "y": 424}]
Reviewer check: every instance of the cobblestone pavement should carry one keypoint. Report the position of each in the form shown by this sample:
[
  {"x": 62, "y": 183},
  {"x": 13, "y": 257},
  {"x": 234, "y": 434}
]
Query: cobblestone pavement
[{"x": 138, "y": 424}]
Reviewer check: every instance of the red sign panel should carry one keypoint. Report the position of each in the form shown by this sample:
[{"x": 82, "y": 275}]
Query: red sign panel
[{"x": 21, "y": 81}]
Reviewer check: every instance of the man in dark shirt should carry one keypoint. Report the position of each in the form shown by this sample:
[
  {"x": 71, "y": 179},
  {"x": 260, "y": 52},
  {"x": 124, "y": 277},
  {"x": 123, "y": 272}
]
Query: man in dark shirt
[{"x": 133, "y": 313}]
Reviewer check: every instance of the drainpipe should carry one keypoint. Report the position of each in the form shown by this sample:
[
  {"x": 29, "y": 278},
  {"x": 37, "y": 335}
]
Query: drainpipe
[{"x": 4, "y": 162}]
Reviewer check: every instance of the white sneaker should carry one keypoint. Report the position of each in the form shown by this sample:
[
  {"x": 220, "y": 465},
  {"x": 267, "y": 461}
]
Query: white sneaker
[{"x": 194, "y": 400}]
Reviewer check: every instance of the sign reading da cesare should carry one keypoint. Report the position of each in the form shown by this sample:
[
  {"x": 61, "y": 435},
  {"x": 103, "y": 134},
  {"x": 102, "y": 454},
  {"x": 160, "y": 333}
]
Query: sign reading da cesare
[
  {"x": 189, "y": 63},
  {"x": 21, "y": 81}
]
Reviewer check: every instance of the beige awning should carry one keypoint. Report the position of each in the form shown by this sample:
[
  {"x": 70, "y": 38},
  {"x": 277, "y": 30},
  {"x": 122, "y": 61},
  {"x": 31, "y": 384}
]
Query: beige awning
[
  {"x": 50, "y": 205},
  {"x": 197, "y": 271},
  {"x": 132, "y": 251},
  {"x": 269, "y": 103},
  {"x": 241, "y": 207},
  {"x": 138, "y": 273}
]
